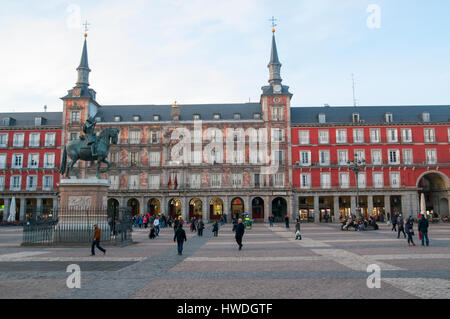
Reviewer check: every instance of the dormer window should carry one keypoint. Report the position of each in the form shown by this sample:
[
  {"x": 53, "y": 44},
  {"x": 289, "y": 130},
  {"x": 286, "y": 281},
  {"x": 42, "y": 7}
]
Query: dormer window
[
  {"x": 216, "y": 116},
  {"x": 196, "y": 117},
  {"x": 388, "y": 118},
  {"x": 117, "y": 118},
  {"x": 38, "y": 121},
  {"x": 7, "y": 121},
  {"x": 355, "y": 117},
  {"x": 155, "y": 117},
  {"x": 322, "y": 118},
  {"x": 237, "y": 116},
  {"x": 257, "y": 116},
  {"x": 98, "y": 119},
  {"x": 426, "y": 117},
  {"x": 136, "y": 118}
]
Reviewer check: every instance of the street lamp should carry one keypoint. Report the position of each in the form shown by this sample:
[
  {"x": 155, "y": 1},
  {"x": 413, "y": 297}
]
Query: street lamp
[{"x": 355, "y": 166}]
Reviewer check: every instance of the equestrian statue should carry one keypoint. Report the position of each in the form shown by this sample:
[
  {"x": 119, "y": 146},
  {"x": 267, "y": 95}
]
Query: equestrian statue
[{"x": 89, "y": 147}]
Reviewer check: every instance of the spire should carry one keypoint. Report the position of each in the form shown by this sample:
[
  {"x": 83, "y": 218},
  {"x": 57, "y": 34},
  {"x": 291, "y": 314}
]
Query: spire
[
  {"x": 274, "y": 64},
  {"x": 83, "y": 68}
]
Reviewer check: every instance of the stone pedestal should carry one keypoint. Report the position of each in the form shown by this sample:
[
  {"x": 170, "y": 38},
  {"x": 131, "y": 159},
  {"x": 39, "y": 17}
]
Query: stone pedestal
[{"x": 84, "y": 193}]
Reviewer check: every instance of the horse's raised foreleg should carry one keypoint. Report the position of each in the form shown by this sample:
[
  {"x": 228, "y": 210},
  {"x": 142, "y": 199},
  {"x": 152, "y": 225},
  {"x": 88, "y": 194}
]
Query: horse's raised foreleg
[{"x": 107, "y": 163}]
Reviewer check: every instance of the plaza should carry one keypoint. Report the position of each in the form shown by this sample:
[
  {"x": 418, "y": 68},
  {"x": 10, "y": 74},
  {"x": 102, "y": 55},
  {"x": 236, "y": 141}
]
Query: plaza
[{"x": 326, "y": 263}]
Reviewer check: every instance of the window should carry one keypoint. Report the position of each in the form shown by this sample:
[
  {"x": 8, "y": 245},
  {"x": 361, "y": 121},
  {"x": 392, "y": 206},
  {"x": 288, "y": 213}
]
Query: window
[
  {"x": 216, "y": 116},
  {"x": 114, "y": 158},
  {"x": 135, "y": 137},
  {"x": 17, "y": 161},
  {"x": 344, "y": 180},
  {"x": 392, "y": 135},
  {"x": 431, "y": 156},
  {"x": 324, "y": 157},
  {"x": 406, "y": 135},
  {"x": 134, "y": 158},
  {"x": 279, "y": 180},
  {"x": 31, "y": 182},
  {"x": 155, "y": 137},
  {"x": 377, "y": 157},
  {"x": 2, "y": 161},
  {"x": 257, "y": 116},
  {"x": 343, "y": 157},
  {"x": 429, "y": 135},
  {"x": 75, "y": 117},
  {"x": 305, "y": 180},
  {"x": 362, "y": 180},
  {"x": 236, "y": 116},
  {"x": 50, "y": 139},
  {"x": 325, "y": 180},
  {"x": 324, "y": 137},
  {"x": 38, "y": 121},
  {"x": 355, "y": 117},
  {"x": 117, "y": 118},
  {"x": 388, "y": 117},
  {"x": 407, "y": 156},
  {"x": 394, "y": 157},
  {"x": 34, "y": 140},
  {"x": 154, "y": 181},
  {"x": 33, "y": 160},
  {"x": 47, "y": 182},
  {"x": 98, "y": 119},
  {"x": 448, "y": 133},
  {"x": 216, "y": 180},
  {"x": 15, "y": 183},
  {"x": 18, "y": 140},
  {"x": 196, "y": 157},
  {"x": 375, "y": 136},
  {"x": 236, "y": 180},
  {"x": 49, "y": 160},
  {"x": 277, "y": 135},
  {"x": 305, "y": 158},
  {"x": 196, "y": 181},
  {"x": 277, "y": 114},
  {"x": 2, "y": 182},
  {"x": 378, "y": 180},
  {"x": 395, "y": 179},
  {"x": 136, "y": 118},
  {"x": 360, "y": 155},
  {"x": 256, "y": 180},
  {"x": 278, "y": 157},
  {"x": 4, "y": 140},
  {"x": 322, "y": 118},
  {"x": 426, "y": 117},
  {"x": 115, "y": 181},
  {"x": 303, "y": 137},
  {"x": 156, "y": 118},
  {"x": 358, "y": 136},
  {"x": 74, "y": 136},
  {"x": 341, "y": 136},
  {"x": 133, "y": 182}
]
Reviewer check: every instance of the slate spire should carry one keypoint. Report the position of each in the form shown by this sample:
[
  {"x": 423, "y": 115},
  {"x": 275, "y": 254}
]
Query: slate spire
[
  {"x": 83, "y": 68},
  {"x": 274, "y": 64}
]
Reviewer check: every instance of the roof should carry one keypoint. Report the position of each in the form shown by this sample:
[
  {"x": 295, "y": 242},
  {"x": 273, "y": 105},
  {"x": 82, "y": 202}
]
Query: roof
[
  {"x": 187, "y": 112},
  {"x": 370, "y": 114},
  {"x": 26, "y": 119},
  {"x": 84, "y": 57}
]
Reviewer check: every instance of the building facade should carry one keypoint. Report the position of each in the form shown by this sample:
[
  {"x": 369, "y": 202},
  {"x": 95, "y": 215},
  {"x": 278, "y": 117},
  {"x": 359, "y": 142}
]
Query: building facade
[{"x": 30, "y": 146}]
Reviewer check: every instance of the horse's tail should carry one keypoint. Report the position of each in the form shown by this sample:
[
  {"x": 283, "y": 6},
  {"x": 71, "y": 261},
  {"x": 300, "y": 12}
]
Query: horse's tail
[{"x": 62, "y": 169}]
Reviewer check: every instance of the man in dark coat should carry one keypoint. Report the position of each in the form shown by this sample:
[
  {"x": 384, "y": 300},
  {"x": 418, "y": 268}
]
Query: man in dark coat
[
  {"x": 394, "y": 222},
  {"x": 180, "y": 237},
  {"x": 201, "y": 226},
  {"x": 240, "y": 229},
  {"x": 423, "y": 229},
  {"x": 286, "y": 220}
]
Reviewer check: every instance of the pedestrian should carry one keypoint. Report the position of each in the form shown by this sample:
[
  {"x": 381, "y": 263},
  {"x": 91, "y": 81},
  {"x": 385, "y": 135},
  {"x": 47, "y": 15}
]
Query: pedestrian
[
  {"x": 156, "y": 225},
  {"x": 169, "y": 221},
  {"x": 394, "y": 222},
  {"x": 235, "y": 223},
  {"x": 96, "y": 241},
  {"x": 152, "y": 232},
  {"x": 140, "y": 221},
  {"x": 423, "y": 230},
  {"x": 201, "y": 226},
  {"x": 222, "y": 220},
  {"x": 134, "y": 221},
  {"x": 240, "y": 230},
  {"x": 215, "y": 229},
  {"x": 180, "y": 237},
  {"x": 410, "y": 231},
  {"x": 298, "y": 235},
  {"x": 271, "y": 221},
  {"x": 401, "y": 228},
  {"x": 286, "y": 220},
  {"x": 145, "y": 221}
]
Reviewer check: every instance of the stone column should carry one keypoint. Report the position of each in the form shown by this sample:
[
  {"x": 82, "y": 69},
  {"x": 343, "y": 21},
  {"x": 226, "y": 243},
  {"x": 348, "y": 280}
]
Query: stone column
[
  {"x": 387, "y": 205},
  {"x": 353, "y": 206},
  {"x": 38, "y": 207},
  {"x": 295, "y": 206},
  {"x": 185, "y": 208},
  {"x": 316, "y": 210},
  {"x": 226, "y": 208},
  {"x": 6, "y": 211},
  {"x": 164, "y": 206},
  {"x": 247, "y": 205},
  {"x": 290, "y": 211},
  {"x": 267, "y": 211},
  {"x": 22, "y": 209},
  {"x": 336, "y": 208},
  {"x": 205, "y": 209},
  {"x": 370, "y": 205}
]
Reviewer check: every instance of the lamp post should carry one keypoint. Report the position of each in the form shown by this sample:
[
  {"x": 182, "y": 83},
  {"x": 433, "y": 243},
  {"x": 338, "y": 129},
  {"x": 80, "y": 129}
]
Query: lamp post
[{"x": 356, "y": 166}]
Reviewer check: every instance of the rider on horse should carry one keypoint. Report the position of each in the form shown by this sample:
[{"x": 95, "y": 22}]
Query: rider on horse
[{"x": 88, "y": 129}]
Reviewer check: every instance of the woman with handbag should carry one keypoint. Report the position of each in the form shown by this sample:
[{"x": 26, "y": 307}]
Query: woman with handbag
[{"x": 410, "y": 231}]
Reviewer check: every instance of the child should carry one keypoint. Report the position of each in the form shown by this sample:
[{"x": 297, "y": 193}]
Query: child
[{"x": 298, "y": 235}]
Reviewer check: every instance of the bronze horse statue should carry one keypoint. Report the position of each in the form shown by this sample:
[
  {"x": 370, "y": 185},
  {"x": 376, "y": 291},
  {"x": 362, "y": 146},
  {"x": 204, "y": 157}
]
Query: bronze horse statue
[{"x": 79, "y": 149}]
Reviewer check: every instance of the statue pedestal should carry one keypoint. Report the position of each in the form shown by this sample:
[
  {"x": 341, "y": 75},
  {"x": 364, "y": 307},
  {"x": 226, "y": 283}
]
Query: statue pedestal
[{"x": 86, "y": 194}]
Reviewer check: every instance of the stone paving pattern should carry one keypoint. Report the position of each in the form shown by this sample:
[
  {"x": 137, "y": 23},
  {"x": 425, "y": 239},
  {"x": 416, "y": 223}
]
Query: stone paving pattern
[{"x": 327, "y": 263}]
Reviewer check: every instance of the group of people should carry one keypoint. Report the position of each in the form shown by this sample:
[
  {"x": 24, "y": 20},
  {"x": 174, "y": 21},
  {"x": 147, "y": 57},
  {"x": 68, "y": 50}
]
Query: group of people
[
  {"x": 197, "y": 224},
  {"x": 406, "y": 228},
  {"x": 359, "y": 224}
]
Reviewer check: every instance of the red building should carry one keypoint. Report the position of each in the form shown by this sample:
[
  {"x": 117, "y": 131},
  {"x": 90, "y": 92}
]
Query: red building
[
  {"x": 29, "y": 161},
  {"x": 400, "y": 152}
]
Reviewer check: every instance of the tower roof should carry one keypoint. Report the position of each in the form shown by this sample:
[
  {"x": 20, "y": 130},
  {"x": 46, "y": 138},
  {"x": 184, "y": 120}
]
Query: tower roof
[
  {"x": 84, "y": 57},
  {"x": 274, "y": 52}
]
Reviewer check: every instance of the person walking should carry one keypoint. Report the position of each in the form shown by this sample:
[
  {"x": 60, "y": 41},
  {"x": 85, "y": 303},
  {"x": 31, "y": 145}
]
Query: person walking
[
  {"x": 286, "y": 220},
  {"x": 410, "y": 231},
  {"x": 235, "y": 223},
  {"x": 140, "y": 221},
  {"x": 240, "y": 230},
  {"x": 401, "y": 228},
  {"x": 176, "y": 223},
  {"x": 156, "y": 225},
  {"x": 423, "y": 229},
  {"x": 215, "y": 229},
  {"x": 145, "y": 221},
  {"x": 271, "y": 221},
  {"x": 96, "y": 241},
  {"x": 180, "y": 238},
  {"x": 394, "y": 222},
  {"x": 297, "y": 230},
  {"x": 201, "y": 226}
]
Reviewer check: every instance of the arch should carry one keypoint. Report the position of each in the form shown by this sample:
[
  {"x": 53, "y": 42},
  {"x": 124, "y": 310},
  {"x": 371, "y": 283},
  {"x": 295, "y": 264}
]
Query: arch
[
  {"x": 258, "y": 208},
  {"x": 279, "y": 209},
  {"x": 113, "y": 212},
  {"x": 434, "y": 185},
  {"x": 435, "y": 176},
  {"x": 154, "y": 207},
  {"x": 133, "y": 204},
  {"x": 195, "y": 208},
  {"x": 215, "y": 208},
  {"x": 174, "y": 206},
  {"x": 237, "y": 207}
]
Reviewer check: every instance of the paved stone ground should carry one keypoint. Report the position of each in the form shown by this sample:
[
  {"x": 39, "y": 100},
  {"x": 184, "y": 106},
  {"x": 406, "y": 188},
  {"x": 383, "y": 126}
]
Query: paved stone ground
[{"x": 327, "y": 263}]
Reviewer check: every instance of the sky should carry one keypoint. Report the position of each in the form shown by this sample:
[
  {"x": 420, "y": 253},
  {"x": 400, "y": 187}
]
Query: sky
[{"x": 211, "y": 51}]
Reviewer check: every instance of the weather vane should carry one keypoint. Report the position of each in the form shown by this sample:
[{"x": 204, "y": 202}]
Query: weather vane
[
  {"x": 86, "y": 29},
  {"x": 273, "y": 20}
]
